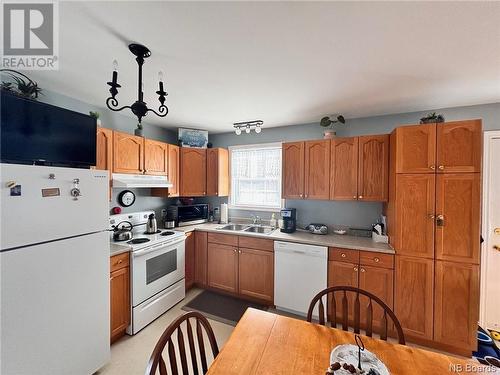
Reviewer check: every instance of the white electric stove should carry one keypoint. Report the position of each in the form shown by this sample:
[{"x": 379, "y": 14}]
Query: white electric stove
[{"x": 157, "y": 269}]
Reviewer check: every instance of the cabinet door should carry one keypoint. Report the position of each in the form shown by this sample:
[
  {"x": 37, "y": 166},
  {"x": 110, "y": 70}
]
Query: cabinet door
[
  {"x": 458, "y": 217},
  {"x": 193, "y": 172},
  {"x": 415, "y": 200},
  {"x": 373, "y": 171},
  {"x": 342, "y": 274},
  {"x": 380, "y": 282},
  {"x": 155, "y": 158},
  {"x": 200, "y": 256},
  {"x": 223, "y": 267},
  {"x": 317, "y": 169},
  {"x": 217, "y": 172},
  {"x": 293, "y": 170},
  {"x": 344, "y": 169},
  {"x": 416, "y": 149},
  {"x": 456, "y": 304},
  {"x": 173, "y": 170},
  {"x": 104, "y": 153},
  {"x": 459, "y": 146},
  {"x": 128, "y": 153},
  {"x": 189, "y": 259},
  {"x": 120, "y": 301},
  {"x": 256, "y": 274},
  {"x": 413, "y": 295}
]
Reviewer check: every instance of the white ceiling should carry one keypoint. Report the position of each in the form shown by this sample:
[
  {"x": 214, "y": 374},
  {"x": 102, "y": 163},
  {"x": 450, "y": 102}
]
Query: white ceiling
[{"x": 282, "y": 62}]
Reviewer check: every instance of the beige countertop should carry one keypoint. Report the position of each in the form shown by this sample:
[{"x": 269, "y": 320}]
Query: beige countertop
[
  {"x": 118, "y": 248},
  {"x": 301, "y": 236}
]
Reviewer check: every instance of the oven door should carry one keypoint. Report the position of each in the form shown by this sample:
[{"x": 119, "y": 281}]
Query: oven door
[{"x": 155, "y": 268}]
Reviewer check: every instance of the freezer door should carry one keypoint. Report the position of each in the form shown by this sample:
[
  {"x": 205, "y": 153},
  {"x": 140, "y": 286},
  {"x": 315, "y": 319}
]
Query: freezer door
[
  {"x": 37, "y": 205},
  {"x": 55, "y": 307}
]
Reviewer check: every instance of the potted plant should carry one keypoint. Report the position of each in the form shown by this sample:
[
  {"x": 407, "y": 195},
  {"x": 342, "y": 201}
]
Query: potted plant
[
  {"x": 96, "y": 115},
  {"x": 20, "y": 84},
  {"x": 432, "y": 118},
  {"x": 329, "y": 124}
]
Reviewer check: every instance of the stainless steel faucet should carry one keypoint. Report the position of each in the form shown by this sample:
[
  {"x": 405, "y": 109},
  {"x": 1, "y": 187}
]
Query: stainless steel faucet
[{"x": 256, "y": 220}]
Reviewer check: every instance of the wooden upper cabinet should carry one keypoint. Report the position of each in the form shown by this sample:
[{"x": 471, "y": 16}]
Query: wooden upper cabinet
[
  {"x": 173, "y": 170},
  {"x": 128, "y": 153},
  {"x": 414, "y": 296},
  {"x": 104, "y": 143},
  {"x": 222, "y": 267},
  {"x": 415, "y": 149},
  {"x": 373, "y": 168},
  {"x": 459, "y": 146},
  {"x": 293, "y": 170},
  {"x": 456, "y": 305},
  {"x": 317, "y": 169},
  {"x": 217, "y": 172},
  {"x": 256, "y": 274},
  {"x": 155, "y": 157},
  {"x": 344, "y": 169},
  {"x": 414, "y": 214},
  {"x": 193, "y": 167},
  {"x": 458, "y": 217}
]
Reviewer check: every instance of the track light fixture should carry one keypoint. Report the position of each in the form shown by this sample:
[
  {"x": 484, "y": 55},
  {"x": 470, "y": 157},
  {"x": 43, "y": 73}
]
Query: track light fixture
[{"x": 248, "y": 126}]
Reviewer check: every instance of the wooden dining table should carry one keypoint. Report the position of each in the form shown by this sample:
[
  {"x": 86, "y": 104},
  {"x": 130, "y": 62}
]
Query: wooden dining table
[{"x": 266, "y": 343}]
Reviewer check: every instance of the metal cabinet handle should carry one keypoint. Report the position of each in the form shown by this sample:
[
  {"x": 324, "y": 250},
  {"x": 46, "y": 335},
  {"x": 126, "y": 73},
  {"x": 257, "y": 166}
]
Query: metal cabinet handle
[
  {"x": 433, "y": 167},
  {"x": 431, "y": 216},
  {"x": 239, "y": 251},
  {"x": 300, "y": 195},
  {"x": 441, "y": 167},
  {"x": 376, "y": 260},
  {"x": 355, "y": 269},
  {"x": 496, "y": 247},
  {"x": 362, "y": 270},
  {"x": 360, "y": 197},
  {"x": 120, "y": 261},
  {"x": 343, "y": 255},
  {"x": 355, "y": 197},
  {"x": 440, "y": 220}
]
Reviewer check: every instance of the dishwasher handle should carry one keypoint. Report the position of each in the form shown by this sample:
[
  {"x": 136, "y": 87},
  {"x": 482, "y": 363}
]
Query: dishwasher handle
[{"x": 300, "y": 250}]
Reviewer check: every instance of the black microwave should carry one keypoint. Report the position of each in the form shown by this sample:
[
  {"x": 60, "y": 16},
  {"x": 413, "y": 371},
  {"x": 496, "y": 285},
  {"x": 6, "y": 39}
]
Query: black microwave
[{"x": 188, "y": 215}]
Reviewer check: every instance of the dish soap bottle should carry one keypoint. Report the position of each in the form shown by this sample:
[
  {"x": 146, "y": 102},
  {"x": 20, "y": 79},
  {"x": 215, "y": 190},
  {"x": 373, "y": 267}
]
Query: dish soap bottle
[{"x": 273, "y": 221}]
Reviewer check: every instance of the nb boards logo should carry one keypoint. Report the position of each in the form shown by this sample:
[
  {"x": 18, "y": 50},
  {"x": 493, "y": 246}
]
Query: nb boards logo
[{"x": 30, "y": 35}]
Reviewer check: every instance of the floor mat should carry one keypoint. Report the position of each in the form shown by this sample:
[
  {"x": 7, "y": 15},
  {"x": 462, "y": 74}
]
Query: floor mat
[{"x": 219, "y": 307}]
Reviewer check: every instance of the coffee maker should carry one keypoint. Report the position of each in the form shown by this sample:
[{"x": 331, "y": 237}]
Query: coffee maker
[{"x": 288, "y": 220}]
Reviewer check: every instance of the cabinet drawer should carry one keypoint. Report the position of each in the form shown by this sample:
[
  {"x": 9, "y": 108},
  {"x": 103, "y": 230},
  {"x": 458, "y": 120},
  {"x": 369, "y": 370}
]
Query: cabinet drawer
[
  {"x": 256, "y": 243},
  {"x": 369, "y": 258},
  {"x": 223, "y": 239},
  {"x": 343, "y": 255},
  {"x": 119, "y": 261}
]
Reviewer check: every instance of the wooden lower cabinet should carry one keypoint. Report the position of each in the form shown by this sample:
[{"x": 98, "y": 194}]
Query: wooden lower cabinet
[
  {"x": 456, "y": 312},
  {"x": 222, "y": 267},
  {"x": 119, "y": 296},
  {"x": 189, "y": 259},
  {"x": 413, "y": 296},
  {"x": 200, "y": 256},
  {"x": 256, "y": 274},
  {"x": 343, "y": 274}
]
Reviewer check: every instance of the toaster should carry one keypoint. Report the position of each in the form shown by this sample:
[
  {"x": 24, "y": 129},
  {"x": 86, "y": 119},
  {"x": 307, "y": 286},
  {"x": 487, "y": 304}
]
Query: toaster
[{"x": 317, "y": 228}]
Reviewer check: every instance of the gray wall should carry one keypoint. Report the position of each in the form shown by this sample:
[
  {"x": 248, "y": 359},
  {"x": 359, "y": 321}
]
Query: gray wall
[{"x": 358, "y": 214}]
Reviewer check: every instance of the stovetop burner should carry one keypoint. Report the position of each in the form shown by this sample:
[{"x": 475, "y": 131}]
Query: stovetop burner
[
  {"x": 158, "y": 231},
  {"x": 136, "y": 241},
  {"x": 167, "y": 233}
]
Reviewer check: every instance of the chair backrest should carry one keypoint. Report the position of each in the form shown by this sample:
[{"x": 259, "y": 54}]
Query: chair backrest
[
  {"x": 201, "y": 323},
  {"x": 344, "y": 312}
]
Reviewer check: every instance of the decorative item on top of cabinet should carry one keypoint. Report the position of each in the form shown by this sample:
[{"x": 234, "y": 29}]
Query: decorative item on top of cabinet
[
  {"x": 293, "y": 170},
  {"x": 373, "y": 168},
  {"x": 155, "y": 157},
  {"x": 317, "y": 169},
  {"x": 344, "y": 169},
  {"x": 190, "y": 262},
  {"x": 104, "y": 150},
  {"x": 173, "y": 174},
  {"x": 128, "y": 153},
  {"x": 456, "y": 305},
  {"x": 119, "y": 295},
  {"x": 217, "y": 172},
  {"x": 193, "y": 171}
]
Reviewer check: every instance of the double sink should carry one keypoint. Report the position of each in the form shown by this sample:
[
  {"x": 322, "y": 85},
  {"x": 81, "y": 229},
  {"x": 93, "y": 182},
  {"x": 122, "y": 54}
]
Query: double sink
[{"x": 247, "y": 228}]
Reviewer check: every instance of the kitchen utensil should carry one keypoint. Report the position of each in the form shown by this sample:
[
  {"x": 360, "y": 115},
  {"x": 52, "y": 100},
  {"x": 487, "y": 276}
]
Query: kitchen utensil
[
  {"x": 316, "y": 228},
  {"x": 123, "y": 233},
  {"x": 169, "y": 224},
  {"x": 151, "y": 225}
]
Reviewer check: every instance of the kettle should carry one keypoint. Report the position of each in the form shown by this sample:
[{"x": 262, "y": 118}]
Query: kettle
[
  {"x": 151, "y": 225},
  {"x": 123, "y": 233}
]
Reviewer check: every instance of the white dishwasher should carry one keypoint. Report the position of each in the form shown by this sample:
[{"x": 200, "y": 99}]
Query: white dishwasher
[{"x": 300, "y": 272}]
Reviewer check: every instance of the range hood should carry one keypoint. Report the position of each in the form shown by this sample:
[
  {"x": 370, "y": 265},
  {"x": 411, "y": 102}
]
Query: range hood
[{"x": 121, "y": 180}]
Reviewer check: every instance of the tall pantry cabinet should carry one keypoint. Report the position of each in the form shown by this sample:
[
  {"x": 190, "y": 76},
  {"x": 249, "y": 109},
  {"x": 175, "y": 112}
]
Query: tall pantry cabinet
[{"x": 434, "y": 225}]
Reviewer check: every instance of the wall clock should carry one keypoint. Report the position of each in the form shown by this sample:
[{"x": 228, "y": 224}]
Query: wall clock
[{"x": 126, "y": 198}]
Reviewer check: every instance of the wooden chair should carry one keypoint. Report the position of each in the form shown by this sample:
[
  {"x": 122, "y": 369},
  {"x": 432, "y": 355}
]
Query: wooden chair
[
  {"x": 166, "y": 339},
  {"x": 332, "y": 304}
]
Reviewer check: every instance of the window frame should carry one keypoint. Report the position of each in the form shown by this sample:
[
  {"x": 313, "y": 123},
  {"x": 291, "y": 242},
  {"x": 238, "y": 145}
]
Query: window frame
[{"x": 233, "y": 206}]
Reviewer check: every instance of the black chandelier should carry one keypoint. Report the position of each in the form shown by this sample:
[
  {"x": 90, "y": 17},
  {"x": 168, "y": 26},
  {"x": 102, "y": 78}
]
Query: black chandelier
[{"x": 139, "y": 108}]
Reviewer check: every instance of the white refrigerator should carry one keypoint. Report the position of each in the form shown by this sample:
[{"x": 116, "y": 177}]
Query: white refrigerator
[{"x": 54, "y": 264}]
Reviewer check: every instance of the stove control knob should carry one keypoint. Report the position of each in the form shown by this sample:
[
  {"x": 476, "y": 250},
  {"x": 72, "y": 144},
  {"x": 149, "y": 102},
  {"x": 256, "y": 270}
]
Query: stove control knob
[{"x": 75, "y": 193}]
